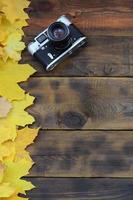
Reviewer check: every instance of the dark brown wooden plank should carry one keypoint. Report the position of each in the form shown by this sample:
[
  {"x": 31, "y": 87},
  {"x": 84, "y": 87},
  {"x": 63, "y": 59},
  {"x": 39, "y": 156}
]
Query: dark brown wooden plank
[
  {"x": 105, "y": 55},
  {"x": 83, "y": 154},
  {"x": 82, "y": 103},
  {"x": 87, "y": 103},
  {"x": 95, "y": 17},
  {"x": 81, "y": 189}
]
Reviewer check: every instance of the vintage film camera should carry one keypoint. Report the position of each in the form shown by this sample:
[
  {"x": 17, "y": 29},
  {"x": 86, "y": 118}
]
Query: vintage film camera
[{"x": 56, "y": 42}]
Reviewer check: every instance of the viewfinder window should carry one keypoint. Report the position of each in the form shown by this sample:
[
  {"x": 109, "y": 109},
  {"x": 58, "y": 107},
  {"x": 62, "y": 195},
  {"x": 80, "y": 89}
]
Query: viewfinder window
[{"x": 41, "y": 38}]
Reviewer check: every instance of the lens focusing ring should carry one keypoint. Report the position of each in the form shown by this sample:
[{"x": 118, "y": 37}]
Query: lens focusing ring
[{"x": 59, "y": 34}]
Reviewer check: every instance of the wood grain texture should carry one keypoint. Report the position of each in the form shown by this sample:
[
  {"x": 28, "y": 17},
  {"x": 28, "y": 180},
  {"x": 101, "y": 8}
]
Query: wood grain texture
[
  {"x": 108, "y": 26},
  {"x": 100, "y": 108},
  {"x": 103, "y": 56},
  {"x": 82, "y": 103},
  {"x": 81, "y": 189},
  {"x": 94, "y": 17},
  {"x": 83, "y": 154}
]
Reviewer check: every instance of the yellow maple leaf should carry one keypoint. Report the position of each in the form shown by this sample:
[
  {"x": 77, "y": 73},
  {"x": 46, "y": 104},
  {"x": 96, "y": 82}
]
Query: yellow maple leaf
[
  {"x": 7, "y": 131},
  {"x": 13, "y": 173},
  {"x": 17, "y": 117},
  {"x": 13, "y": 46},
  {"x": 14, "y": 197},
  {"x": 10, "y": 39},
  {"x": 3, "y": 35},
  {"x": 3, "y": 54},
  {"x": 7, "y": 28},
  {"x": 17, "y": 26},
  {"x": 8, "y": 151},
  {"x": 1, "y": 5},
  {"x": 5, "y": 107},
  {"x": 12, "y": 73},
  {"x": 2, "y": 167},
  {"x": 15, "y": 10},
  {"x": 6, "y": 190},
  {"x": 4, "y": 151},
  {"x": 25, "y": 137},
  {"x": 15, "y": 161}
]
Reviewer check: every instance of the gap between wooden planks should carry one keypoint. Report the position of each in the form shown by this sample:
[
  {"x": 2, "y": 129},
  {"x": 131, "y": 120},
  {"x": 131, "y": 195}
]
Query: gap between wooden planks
[{"x": 83, "y": 154}]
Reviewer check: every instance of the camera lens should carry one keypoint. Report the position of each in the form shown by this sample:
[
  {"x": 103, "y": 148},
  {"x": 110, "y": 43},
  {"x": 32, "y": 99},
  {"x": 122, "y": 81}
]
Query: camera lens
[{"x": 59, "y": 34}]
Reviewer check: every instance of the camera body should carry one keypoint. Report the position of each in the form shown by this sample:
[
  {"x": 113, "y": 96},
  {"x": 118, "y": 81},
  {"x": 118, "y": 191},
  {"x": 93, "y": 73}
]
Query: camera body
[{"x": 56, "y": 42}]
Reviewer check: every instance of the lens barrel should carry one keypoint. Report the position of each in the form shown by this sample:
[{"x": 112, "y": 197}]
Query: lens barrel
[{"x": 59, "y": 35}]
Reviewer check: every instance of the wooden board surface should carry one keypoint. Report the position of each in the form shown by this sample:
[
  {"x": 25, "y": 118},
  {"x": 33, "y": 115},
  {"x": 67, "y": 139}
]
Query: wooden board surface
[
  {"x": 82, "y": 103},
  {"x": 83, "y": 154},
  {"x": 85, "y": 106},
  {"x": 108, "y": 26},
  {"x": 104, "y": 56},
  {"x": 81, "y": 189},
  {"x": 94, "y": 17}
]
